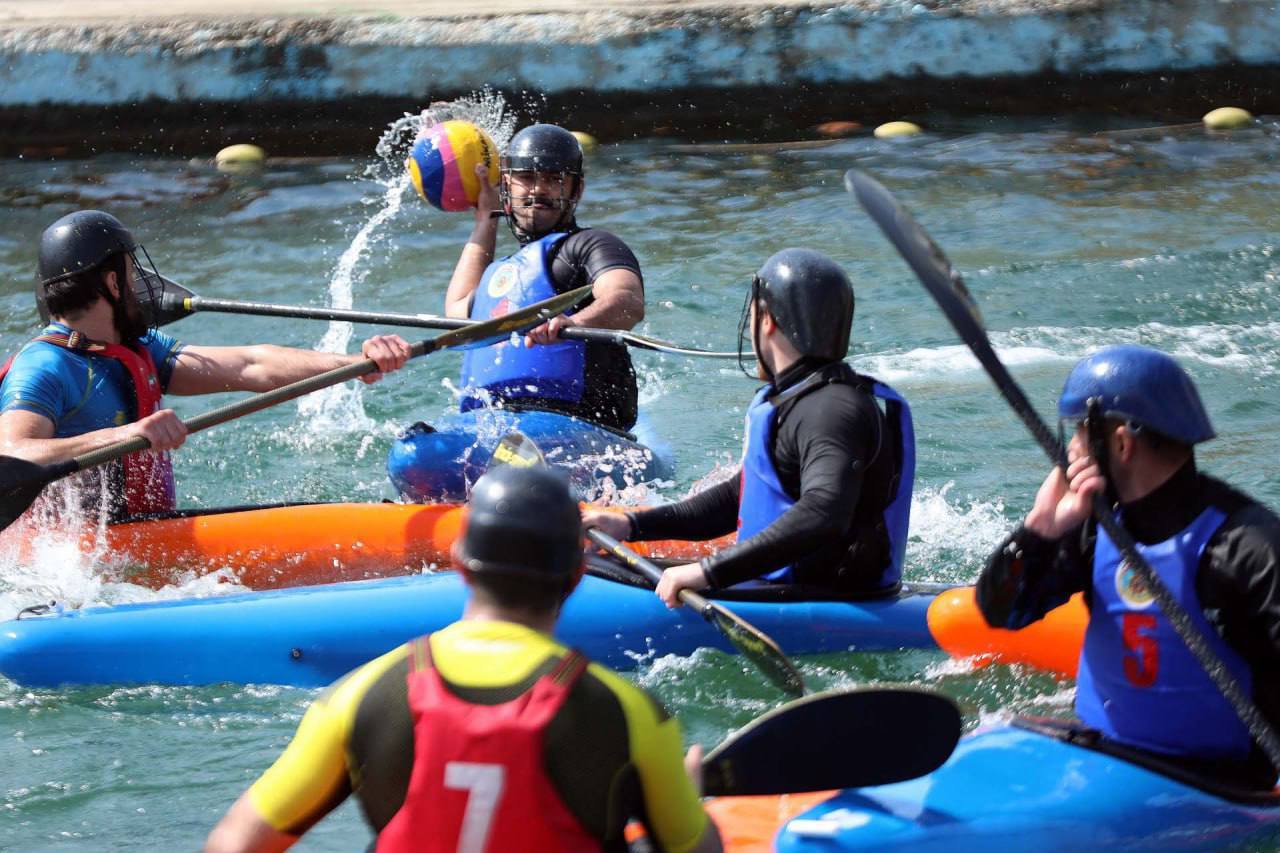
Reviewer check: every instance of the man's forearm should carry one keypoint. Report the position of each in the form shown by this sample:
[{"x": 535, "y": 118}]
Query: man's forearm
[
  {"x": 46, "y": 451},
  {"x": 475, "y": 258}
]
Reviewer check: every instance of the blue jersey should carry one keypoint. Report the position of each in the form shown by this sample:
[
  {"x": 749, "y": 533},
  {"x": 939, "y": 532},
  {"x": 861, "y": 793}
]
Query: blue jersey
[
  {"x": 78, "y": 392},
  {"x": 763, "y": 499},
  {"x": 509, "y": 370},
  {"x": 1138, "y": 682}
]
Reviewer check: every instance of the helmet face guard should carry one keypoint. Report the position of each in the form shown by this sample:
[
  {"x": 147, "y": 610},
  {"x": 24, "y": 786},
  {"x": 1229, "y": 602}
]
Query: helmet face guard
[
  {"x": 541, "y": 151},
  {"x": 748, "y": 338}
]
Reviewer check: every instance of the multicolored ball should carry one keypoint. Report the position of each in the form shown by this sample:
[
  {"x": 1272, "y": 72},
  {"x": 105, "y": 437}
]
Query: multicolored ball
[{"x": 442, "y": 164}]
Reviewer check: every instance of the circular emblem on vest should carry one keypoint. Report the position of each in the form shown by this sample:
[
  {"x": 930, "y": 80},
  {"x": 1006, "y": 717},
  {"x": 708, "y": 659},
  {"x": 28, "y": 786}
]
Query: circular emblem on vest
[
  {"x": 1131, "y": 588},
  {"x": 503, "y": 279}
]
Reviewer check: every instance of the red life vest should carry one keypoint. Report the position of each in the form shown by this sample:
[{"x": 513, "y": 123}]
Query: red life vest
[
  {"x": 478, "y": 781},
  {"x": 147, "y": 476}
]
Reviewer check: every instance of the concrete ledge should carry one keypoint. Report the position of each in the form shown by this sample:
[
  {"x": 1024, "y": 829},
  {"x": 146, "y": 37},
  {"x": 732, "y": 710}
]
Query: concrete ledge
[{"x": 882, "y": 57}]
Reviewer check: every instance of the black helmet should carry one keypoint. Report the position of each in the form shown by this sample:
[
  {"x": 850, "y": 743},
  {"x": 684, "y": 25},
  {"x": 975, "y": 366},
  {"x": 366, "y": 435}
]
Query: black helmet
[
  {"x": 85, "y": 240},
  {"x": 523, "y": 521},
  {"x": 543, "y": 148},
  {"x": 811, "y": 298},
  {"x": 79, "y": 242}
]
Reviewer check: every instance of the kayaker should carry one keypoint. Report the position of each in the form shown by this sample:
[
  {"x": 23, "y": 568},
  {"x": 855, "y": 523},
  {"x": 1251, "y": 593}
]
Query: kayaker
[
  {"x": 823, "y": 497},
  {"x": 1135, "y": 417},
  {"x": 488, "y": 734},
  {"x": 541, "y": 184},
  {"x": 95, "y": 375}
]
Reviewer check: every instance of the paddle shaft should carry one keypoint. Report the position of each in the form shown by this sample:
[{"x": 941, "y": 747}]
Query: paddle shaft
[
  {"x": 755, "y": 644},
  {"x": 192, "y": 304},
  {"x": 941, "y": 280},
  {"x": 470, "y": 334}
]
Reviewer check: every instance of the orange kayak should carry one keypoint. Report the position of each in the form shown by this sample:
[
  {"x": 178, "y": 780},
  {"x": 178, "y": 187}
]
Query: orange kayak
[
  {"x": 292, "y": 545},
  {"x": 1052, "y": 644}
]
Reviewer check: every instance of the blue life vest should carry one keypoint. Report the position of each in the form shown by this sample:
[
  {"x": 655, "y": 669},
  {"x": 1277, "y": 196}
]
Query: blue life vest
[
  {"x": 509, "y": 370},
  {"x": 1138, "y": 682},
  {"x": 763, "y": 500}
]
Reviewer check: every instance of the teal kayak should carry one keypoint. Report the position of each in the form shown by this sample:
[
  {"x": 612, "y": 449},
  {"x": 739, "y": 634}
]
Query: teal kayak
[
  {"x": 309, "y": 636},
  {"x": 1042, "y": 786}
]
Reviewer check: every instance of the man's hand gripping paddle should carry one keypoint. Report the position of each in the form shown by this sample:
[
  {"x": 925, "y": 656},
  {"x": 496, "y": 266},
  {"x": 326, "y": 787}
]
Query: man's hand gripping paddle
[
  {"x": 21, "y": 481},
  {"x": 937, "y": 275}
]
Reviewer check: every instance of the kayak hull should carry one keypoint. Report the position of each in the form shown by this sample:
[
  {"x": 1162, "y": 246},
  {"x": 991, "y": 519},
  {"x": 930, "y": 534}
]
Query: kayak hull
[
  {"x": 309, "y": 636},
  {"x": 282, "y": 546},
  {"x": 438, "y": 462},
  {"x": 1014, "y": 789}
]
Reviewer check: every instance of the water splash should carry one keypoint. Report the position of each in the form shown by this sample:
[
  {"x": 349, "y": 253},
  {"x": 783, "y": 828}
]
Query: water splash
[{"x": 340, "y": 409}]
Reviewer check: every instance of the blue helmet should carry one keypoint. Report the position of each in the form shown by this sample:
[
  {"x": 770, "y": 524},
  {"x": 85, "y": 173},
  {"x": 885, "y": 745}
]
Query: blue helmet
[{"x": 1142, "y": 386}]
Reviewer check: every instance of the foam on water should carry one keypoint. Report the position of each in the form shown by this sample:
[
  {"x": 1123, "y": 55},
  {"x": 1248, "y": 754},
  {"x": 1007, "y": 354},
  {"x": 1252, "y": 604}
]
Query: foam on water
[
  {"x": 950, "y": 539},
  {"x": 1252, "y": 349}
]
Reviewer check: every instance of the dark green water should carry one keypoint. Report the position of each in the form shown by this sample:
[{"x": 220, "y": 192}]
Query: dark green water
[{"x": 1069, "y": 241}]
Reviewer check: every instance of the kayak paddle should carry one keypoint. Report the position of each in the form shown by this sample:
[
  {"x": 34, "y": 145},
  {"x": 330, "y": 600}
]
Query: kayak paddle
[
  {"x": 22, "y": 481},
  {"x": 176, "y": 302},
  {"x": 942, "y": 281},
  {"x": 836, "y": 739},
  {"x": 754, "y": 644}
]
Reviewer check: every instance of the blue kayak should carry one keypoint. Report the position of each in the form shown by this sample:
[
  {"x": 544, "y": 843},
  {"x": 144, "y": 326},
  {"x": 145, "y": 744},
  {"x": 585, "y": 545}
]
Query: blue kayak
[
  {"x": 309, "y": 636},
  {"x": 1042, "y": 786},
  {"x": 437, "y": 462}
]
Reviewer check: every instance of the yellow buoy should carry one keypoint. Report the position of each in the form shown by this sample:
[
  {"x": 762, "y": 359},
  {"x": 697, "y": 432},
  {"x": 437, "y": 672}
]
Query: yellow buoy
[
  {"x": 1227, "y": 118},
  {"x": 892, "y": 129},
  {"x": 586, "y": 140},
  {"x": 238, "y": 158}
]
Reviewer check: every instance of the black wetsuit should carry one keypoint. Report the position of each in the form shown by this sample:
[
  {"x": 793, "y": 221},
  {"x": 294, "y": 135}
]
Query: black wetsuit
[
  {"x": 609, "y": 397},
  {"x": 1238, "y": 584},
  {"x": 835, "y": 454}
]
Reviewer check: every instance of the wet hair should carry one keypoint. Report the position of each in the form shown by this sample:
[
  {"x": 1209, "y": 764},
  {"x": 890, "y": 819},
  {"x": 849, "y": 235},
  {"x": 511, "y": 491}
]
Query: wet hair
[{"x": 76, "y": 294}]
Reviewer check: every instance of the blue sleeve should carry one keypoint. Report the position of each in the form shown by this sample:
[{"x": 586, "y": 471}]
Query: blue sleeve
[
  {"x": 38, "y": 382},
  {"x": 164, "y": 350}
]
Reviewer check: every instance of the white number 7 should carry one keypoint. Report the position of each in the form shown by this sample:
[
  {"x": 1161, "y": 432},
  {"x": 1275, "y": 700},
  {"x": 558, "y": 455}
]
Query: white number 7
[{"x": 483, "y": 784}]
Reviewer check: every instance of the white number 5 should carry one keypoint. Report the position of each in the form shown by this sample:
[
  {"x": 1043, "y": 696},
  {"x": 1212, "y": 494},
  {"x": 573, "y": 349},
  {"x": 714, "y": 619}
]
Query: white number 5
[{"x": 483, "y": 784}]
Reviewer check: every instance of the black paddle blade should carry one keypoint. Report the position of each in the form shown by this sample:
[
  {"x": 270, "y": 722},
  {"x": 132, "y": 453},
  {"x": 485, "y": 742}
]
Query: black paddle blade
[
  {"x": 517, "y": 449},
  {"x": 21, "y": 483},
  {"x": 944, "y": 284},
  {"x": 161, "y": 299},
  {"x": 759, "y": 648},
  {"x": 837, "y": 739}
]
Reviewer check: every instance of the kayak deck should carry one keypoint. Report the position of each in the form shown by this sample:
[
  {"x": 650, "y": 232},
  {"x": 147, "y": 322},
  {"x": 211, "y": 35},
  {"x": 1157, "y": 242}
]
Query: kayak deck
[{"x": 1014, "y": 788}]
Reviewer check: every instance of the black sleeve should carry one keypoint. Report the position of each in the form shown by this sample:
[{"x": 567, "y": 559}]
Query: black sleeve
[
  {"x": 825, "y": 440},
  {"x": 1239, "y": 590},
  {"x": 588, "y": 254},
  {"x": 710, "y": 513},
  {"x": 1027, "y": 576}
]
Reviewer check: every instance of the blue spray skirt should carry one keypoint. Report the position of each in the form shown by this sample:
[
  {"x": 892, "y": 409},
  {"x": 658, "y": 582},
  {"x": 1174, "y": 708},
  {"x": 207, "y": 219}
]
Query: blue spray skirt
[
  {"x": 309, "y": 636},
  {"x": 1016, "y": 788},
  {"x": 437, "y": 462}
]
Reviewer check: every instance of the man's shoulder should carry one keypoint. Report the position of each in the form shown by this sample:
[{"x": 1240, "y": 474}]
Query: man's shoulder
[
  {"x": 38, "y": 358},
  {"x": 639, "y": 706},
  {"x": 1248, "y": 519},
  {"x": 584, "y": 242}
]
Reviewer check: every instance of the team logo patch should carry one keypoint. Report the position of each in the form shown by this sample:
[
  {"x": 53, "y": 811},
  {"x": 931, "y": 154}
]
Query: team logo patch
[
  {"x": 1131, "y": 588},
  {"x": 503, "y": 279}
]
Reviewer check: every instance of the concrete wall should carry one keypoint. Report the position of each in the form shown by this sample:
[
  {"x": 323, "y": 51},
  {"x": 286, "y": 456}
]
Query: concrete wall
[
  {"x": 879, "y": 56},
  {"x": 611, "y": 51}
]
